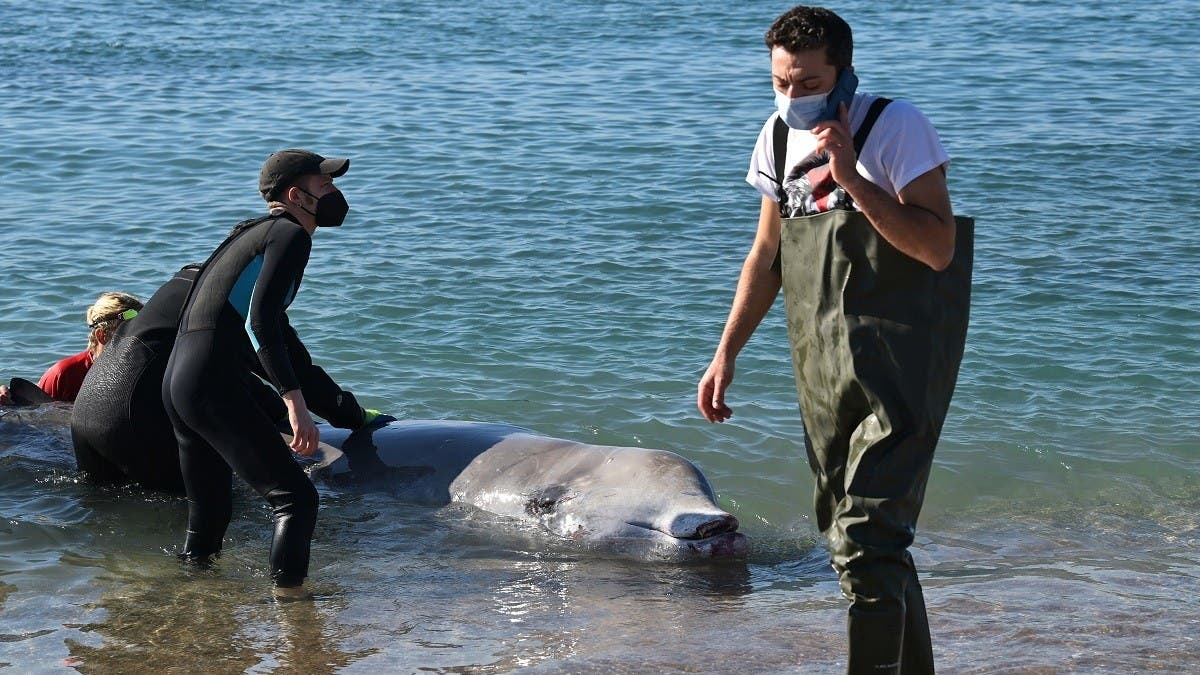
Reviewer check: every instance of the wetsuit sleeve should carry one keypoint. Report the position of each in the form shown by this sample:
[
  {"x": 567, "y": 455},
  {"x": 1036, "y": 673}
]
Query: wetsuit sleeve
[
  {"x": 265, "y": 397},
  {"x": 285, "y": 254},
  {"x": 322, "y": 395}
]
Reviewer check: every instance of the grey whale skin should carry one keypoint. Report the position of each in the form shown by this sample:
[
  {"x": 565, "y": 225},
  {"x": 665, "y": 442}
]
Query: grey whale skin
[{"x": 646, "y": 503}]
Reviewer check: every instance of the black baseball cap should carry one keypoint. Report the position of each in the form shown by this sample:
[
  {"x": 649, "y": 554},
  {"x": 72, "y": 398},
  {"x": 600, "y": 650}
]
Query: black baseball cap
[{"x": 285, "y": 166}]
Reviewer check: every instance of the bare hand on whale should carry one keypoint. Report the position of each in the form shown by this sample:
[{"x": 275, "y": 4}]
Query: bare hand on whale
[{"x": 304, "y": 431}]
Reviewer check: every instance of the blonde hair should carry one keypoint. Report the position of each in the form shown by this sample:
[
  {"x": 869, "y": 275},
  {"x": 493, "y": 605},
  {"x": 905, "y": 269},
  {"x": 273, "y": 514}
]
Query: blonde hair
[{"x": 102, "y": 315}]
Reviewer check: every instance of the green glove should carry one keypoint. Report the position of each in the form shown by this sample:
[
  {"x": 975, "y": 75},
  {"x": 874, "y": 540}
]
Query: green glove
[{"x": 370, "y": 416}]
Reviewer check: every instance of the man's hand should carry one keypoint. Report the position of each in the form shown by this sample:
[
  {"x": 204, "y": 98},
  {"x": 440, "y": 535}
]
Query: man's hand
[
  {"x": 710, "y": 395},
  {"x": 5, "y": 399},
  {"x": 304, "y": 432},
  {"x": 834, "y": 139}
]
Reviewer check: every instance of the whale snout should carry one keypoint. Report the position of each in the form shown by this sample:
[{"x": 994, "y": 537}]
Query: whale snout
[
  {"x": 708, "y": 535},
  {"x": 701, "y": 525},
  {"x": 697, "y": 534}
]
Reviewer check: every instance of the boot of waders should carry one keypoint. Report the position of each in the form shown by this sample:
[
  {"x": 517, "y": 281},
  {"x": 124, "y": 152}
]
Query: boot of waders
[
  {"x": 876, "y": 641},
  {"x": 917, "y": 656},
  {"x": 891, "y": 643}
]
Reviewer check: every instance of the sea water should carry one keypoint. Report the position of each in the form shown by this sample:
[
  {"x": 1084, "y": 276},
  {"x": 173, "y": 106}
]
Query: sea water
[{"x": 548, "y": 217}]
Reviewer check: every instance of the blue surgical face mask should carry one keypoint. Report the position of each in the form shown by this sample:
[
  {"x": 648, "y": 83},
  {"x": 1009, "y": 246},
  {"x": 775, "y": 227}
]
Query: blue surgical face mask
[{"x": 803, "y": 112}]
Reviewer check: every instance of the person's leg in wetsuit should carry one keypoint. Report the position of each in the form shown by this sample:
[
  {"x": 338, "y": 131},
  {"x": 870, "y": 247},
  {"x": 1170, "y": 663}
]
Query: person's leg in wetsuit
[{"x": 219, "y": 427}]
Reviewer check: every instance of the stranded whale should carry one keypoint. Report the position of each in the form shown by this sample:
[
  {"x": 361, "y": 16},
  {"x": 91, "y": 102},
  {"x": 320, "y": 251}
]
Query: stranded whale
[
  {"x": 635, "y": 501},
  {"x": 632, "y": 501}
]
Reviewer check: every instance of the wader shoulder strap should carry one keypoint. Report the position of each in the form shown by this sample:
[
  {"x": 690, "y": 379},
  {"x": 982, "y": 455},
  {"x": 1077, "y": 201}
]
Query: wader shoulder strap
[
  {"x": 868, "y": 123},
  {"x": 780, "y": 138}
]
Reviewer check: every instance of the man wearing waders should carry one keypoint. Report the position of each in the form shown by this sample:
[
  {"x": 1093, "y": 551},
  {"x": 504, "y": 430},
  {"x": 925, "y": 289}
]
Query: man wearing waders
[
  {"x": 856, "y": 228},
  {"x": 244, "y": 290}
]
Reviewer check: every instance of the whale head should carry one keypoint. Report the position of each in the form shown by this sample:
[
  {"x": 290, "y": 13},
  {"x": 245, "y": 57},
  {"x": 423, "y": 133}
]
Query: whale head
[{"x": 635, "y": 501}]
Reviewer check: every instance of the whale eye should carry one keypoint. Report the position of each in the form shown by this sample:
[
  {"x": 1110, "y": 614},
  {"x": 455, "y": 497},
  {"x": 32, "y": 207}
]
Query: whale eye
[
  {"x": 545, "y": 501},
  {"x": 538, "y": 507}
]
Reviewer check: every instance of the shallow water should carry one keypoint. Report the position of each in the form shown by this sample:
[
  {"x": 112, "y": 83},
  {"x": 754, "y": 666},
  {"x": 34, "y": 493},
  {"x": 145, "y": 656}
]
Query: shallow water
[{"x": 548, "y": 217}]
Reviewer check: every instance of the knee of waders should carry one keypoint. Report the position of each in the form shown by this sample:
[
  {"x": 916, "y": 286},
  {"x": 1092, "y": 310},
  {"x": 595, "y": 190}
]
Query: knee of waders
[
  {"x": 876, "y": 582},
  {"x": 875, "y": 643},
  {"x": 863, "y": 531}
]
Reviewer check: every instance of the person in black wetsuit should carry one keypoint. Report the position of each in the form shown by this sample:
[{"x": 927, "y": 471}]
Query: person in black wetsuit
[
  {"x": 119, "y": 427},
  {"x": 244, "y": 290}
]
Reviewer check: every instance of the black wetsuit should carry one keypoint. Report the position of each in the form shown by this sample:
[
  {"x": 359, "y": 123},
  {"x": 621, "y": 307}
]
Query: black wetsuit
[
  {"x": 244, "y": 289},
  {"x": 119, "y": 426}
]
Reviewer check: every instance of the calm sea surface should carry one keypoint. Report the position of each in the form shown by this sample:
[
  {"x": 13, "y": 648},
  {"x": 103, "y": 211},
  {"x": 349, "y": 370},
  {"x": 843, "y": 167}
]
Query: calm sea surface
[{"x": 548, "y": 218}]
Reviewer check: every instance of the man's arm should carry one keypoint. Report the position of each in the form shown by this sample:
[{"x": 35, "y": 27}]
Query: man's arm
[
  {"x": 757, "y": 289},
  {"x": 920, "y": 224}
]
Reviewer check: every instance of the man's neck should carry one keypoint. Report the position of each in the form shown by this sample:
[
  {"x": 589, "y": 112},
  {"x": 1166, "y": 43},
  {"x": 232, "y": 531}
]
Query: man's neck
[{"x": 302, "y": 218}]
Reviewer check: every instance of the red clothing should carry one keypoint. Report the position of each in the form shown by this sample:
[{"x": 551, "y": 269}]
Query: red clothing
[{"x": 63, "y": 380}]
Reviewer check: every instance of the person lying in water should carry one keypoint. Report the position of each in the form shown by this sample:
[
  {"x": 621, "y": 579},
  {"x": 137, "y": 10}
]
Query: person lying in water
[{"x": 62, "y": 380}]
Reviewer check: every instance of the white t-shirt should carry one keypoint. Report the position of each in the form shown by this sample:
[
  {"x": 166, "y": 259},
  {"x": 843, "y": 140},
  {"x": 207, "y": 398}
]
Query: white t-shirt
[{"x": 902, "y": 146}]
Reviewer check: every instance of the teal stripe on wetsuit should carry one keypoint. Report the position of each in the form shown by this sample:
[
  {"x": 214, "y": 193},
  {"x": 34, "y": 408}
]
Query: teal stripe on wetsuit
[
  {"x": 243, "y": 292},
  {"x": 242, "y": 295}
]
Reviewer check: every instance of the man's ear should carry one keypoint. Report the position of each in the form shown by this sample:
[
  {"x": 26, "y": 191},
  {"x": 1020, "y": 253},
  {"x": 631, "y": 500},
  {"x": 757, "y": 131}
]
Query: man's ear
[{"x": 101, "y": 335}]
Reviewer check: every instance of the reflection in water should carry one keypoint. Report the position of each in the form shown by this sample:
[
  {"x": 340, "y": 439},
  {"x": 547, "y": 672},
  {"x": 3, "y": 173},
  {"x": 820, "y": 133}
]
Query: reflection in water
[
  {"x": 160, "y": 617},
  {"x": 555, "y": 606},
  {"x": 538, "y": 589},
  {"x": 5, "y": 589},
  {"x": 98, "y": 586}
]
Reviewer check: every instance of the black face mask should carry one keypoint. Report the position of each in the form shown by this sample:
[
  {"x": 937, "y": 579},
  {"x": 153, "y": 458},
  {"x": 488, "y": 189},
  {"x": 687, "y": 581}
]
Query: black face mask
[{"x": 331, "y": 208}]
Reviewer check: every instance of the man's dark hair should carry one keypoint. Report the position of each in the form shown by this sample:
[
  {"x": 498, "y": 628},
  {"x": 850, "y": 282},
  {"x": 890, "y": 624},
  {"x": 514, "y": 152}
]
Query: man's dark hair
[{"x": 802, "y": 28}]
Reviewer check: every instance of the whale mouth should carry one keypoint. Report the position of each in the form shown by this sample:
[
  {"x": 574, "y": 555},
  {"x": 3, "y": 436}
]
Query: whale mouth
[
  {"x": 723, "y": 545},
  {"x": 707, "y": 536},
  {"x": 700, "y": 525},
  {"x": 715, "y": 526},
  {"x": 692, "y": 526}
]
